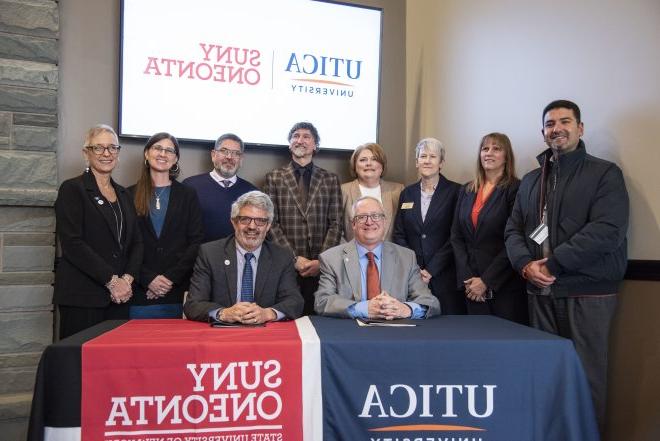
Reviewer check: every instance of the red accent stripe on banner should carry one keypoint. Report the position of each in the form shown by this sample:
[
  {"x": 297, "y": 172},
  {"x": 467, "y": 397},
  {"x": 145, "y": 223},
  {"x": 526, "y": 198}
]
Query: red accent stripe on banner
[
  {"x": 427, "y": 427},
  {"x": 154, "y": 379}
]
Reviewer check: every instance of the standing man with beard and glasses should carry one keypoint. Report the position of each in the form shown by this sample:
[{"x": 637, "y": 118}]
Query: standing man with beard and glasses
[
  {"x": 241, "y": 278},
  {"x": 308, "y": 208},
  {"x": 219, "y": 188},
  {"x": 567, "y": 237}
]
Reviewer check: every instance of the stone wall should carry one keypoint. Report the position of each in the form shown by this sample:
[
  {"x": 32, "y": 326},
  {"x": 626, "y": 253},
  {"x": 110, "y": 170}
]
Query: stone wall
[{"x": 29, "y": 31}]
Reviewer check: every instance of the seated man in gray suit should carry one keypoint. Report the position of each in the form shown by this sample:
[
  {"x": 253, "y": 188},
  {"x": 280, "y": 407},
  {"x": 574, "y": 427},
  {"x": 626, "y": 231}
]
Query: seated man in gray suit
[
  {"x": 241, "y": 278},
  {"x": 370, "y": 278}
]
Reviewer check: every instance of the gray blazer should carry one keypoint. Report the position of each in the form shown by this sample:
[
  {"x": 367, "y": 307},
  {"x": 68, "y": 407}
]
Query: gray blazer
[
  {"x": 341, "y": 285},
  {"x": 213, "y": 283},
  {"x": 389, "y": 193}
]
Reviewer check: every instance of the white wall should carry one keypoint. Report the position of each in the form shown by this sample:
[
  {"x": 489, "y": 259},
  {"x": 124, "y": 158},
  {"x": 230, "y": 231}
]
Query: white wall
[
  {"x": 88, "y": 94},
  {"x": 477, "y": 66}
]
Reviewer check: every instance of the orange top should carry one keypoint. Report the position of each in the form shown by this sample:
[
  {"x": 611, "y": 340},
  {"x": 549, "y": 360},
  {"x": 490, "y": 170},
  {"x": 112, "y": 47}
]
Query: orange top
[{"x": 479, "y": 203}]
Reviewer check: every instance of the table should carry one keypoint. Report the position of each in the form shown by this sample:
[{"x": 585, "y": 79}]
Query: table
[{"x": 461, "y": 377}]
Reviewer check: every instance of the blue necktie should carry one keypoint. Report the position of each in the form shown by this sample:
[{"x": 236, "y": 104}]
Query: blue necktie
[{"x": 246, "y": 280}]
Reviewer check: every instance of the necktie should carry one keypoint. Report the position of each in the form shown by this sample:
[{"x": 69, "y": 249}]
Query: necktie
[
  {"x": 302, "y": 188},
  {"x": 373, "y": 281},
  {"x": 226, "y": 183},
  {"x": 246, "y": 280}
]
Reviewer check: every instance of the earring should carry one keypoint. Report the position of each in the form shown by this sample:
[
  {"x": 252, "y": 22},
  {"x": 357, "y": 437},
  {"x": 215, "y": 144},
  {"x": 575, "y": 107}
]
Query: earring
[
  {"x": 175, "y": 170},
  {"x": 86, "y": 166},
  {"x": 146, "y": 163}
]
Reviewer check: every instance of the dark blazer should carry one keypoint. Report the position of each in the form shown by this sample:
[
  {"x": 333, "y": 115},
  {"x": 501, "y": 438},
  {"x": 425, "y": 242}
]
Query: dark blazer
[
  {"x": 480, "y": 251},
  {"x": 307, "y": 231},
  {"x": 213, "y": 283},
  {"x": 91, "y": 254},
  {"x": 430, "y": 239},
  {"x": 172, "y": 254}
]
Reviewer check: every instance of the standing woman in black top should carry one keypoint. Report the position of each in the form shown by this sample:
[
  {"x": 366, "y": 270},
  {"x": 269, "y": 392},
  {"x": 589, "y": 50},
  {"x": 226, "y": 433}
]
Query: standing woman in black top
[
  {"x": 485, "y": 275},
  {"x": 423, "y": 224},
  {"x": 170, "y": 220},
  {"x": 99, "y": 239}
]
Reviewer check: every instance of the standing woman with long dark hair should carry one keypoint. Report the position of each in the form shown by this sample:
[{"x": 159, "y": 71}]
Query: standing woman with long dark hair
[
  {"x": 170, "y": 219},
  {"x": 100, "y": 242},
  {"x": 485, "y": 275}
]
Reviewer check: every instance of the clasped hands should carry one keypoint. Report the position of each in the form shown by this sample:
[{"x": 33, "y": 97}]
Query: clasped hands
[
  {"x": 384, "y": 306},
  {"x": 538, "y": 273},
  {"x": 475, "y": 289},
  {"x": 307, "y": 267},
  {"x": 247, "y": 313},
  {"x": 159, "y": 287},
  {"x": 120, "y": 291}
]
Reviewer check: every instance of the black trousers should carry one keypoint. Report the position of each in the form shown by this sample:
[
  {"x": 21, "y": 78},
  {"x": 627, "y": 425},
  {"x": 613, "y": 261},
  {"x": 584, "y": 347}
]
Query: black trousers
[
  {"x": 74, "y": 319},
  {"x": 586, "y": 321},
  {"x": 308, "y": 286}
]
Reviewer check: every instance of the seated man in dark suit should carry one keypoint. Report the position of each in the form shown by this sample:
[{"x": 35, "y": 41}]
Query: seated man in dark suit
[
  {"x": 241, "y": 278},
  {"x": 370, "y": 278}
]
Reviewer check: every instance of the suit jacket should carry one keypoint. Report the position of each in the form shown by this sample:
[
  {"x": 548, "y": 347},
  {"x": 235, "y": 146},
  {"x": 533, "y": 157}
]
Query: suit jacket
[
  {"x": 172, "y": 254},
  {"x": 429, "y": 239},
  {"x": 306, "y": 231},
  {"x": 213, "y": 283},
  {"x": 389, "y": 194},
  {"x": 480, "y": 251},
  {"x": 91, "y": 254},
  {"x": 341, "y": 283}
]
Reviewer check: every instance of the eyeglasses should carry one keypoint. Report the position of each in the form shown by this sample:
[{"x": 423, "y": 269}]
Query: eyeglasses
[
  {"x": 166, "y": 150},
  {"x": 99, "y": 149},
  {"x": 362, "y": 218},
  {"x": 229, "y": 153},
  {"x": 246, "y": 220}
]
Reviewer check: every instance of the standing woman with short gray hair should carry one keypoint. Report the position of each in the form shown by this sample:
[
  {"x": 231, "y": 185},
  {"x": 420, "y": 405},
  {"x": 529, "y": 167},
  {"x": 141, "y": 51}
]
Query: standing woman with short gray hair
[
  {"x": 423, "y": 224},
  {"x": 100, "y": 242}
]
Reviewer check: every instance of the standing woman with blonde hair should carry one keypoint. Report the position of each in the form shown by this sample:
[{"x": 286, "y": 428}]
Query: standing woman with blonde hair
[
  {"x": 100, "y": 242},
  {"x": 368, "y": 165},
  {"x": 484, "y": 273},
  {"x": 170, "y": 220}
]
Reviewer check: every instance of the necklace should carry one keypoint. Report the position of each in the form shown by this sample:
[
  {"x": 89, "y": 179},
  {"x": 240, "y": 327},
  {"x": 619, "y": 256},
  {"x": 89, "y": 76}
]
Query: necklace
[
  {"x": 119, "y": 220},
  {"x": 158, "y": 195}
]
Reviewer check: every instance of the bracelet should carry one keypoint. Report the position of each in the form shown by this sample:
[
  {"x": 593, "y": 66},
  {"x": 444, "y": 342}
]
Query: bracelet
[{"x": 113, "y": 281}]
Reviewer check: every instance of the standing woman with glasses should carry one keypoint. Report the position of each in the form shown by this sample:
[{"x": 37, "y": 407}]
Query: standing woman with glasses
[
  {"x": 170, "y": 221},
  {"x": 101, "y": 246},
  {"x": 423, "y": 224}
]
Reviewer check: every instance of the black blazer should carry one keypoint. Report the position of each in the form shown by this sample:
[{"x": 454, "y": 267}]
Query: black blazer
[
  {"x": 213, "y": 284},
  {"x": 481, "y": 252},
  {"x": 429, "y": 239},
  {"x": 172, "y": 254},
  {"x": 91, "y": 254}
]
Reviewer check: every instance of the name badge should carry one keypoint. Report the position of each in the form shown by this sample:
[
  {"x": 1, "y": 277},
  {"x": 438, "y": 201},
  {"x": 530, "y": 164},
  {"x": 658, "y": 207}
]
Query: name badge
[
  {"x": 407, "y": 205},
  {"x": 540, "y": 234}
]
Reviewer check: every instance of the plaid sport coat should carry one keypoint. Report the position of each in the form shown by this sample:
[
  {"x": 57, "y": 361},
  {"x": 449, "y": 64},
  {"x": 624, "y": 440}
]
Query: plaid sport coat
[{"x": 306, "y": 231}]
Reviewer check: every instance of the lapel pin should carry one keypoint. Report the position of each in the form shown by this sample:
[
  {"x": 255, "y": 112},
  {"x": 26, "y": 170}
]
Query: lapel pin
[
  {"x": 99, "y": 201},
  {"x": 227, "y": 262}
]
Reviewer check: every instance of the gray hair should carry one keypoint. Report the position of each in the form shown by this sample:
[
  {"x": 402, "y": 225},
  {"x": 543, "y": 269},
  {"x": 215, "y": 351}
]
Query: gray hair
[
  {"x": 363, "y": 198},
  {"x": 98, "y": 129},
  {"x": 432, "y": 145},
  {"x": 256, "y": 199},
  {"x": 231, "y": 137}
]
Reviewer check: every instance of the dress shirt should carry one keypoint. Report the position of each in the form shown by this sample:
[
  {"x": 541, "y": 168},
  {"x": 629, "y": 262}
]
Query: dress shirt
[
  {"x": 373, "y": 192},
  {"x": 361, "y": 309},
  {"x": 425, "y": 200},
  {"x": 306, "y": 169},
  {"x": 219, "y": 179},
  {"x": 240, "y": 266}
]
